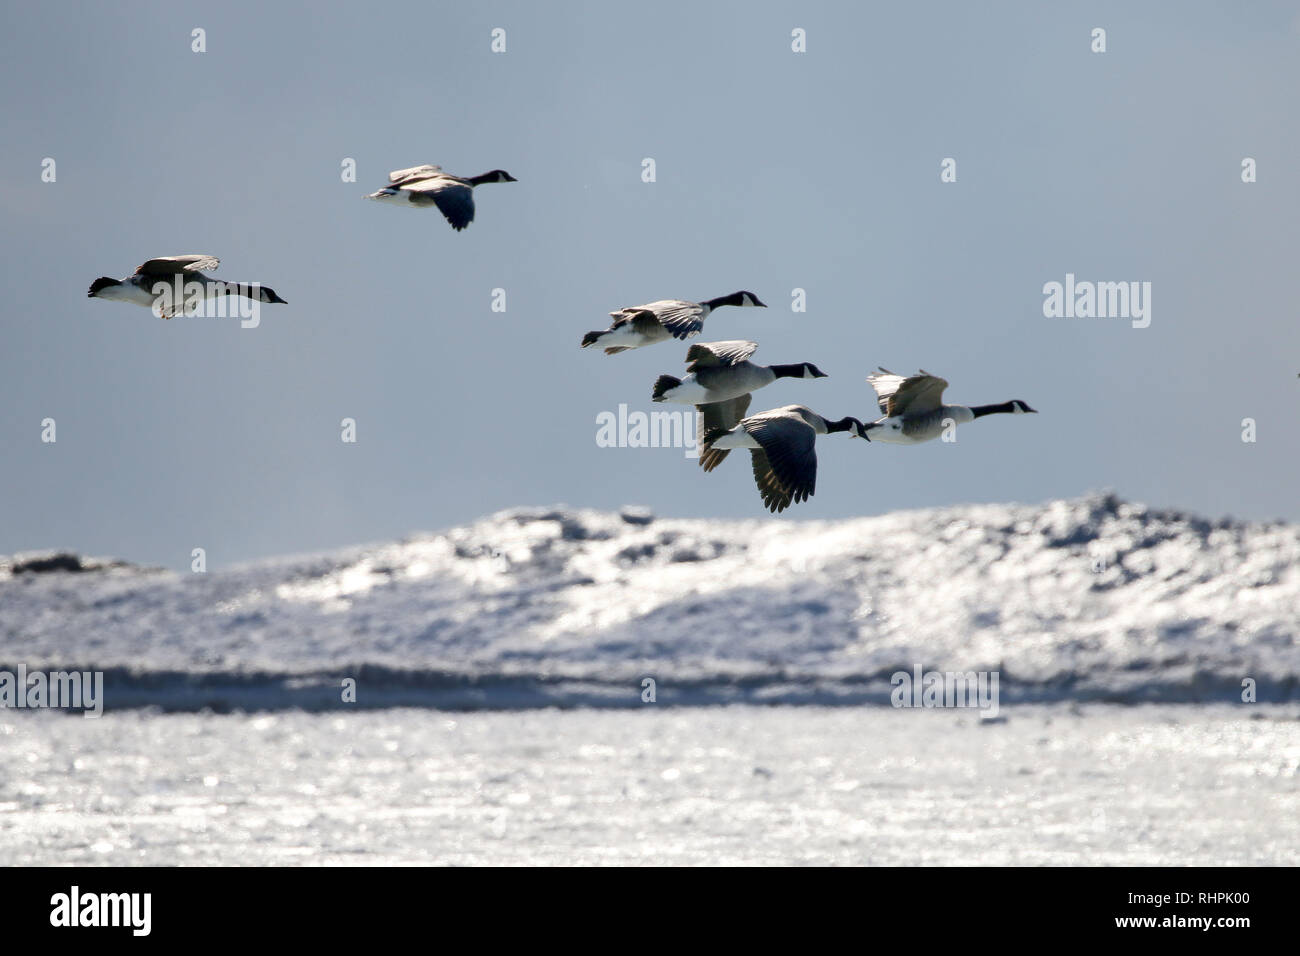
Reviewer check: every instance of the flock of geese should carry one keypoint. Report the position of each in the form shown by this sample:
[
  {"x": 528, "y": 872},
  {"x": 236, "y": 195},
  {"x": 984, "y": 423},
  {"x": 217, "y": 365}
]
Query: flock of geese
[
  {"x": 782, "y": 441},
  {"x": 720, "y": 377}
]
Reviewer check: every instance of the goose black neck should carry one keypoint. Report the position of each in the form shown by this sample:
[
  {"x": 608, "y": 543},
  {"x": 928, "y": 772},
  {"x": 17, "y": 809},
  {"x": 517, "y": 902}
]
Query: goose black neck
[
  {"x": 482, "y": 178},
  {"x": 788, "y": 371},
  {"x": 980, "y": 410},
  {"x": 733, "y": 299},
  {"x": 843, "y": 425}
]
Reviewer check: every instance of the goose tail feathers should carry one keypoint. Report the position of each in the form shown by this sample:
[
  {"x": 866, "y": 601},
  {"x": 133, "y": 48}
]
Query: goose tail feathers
[{"x": 664, "y": 383}]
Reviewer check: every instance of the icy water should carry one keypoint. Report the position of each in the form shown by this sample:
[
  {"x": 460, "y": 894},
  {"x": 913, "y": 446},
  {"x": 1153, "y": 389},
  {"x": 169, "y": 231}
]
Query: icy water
[{"x": 1050, "y": 784}]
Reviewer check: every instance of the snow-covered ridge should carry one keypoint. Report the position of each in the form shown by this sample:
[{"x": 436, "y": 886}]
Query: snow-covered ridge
[{"x": 1090, "y": 599}]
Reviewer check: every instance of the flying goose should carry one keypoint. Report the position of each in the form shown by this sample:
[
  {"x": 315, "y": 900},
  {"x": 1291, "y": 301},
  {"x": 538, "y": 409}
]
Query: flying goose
[
  {"x": 659, "y": 321},
  {"x": 914, "y": 412},
  {"x": 138, "y": 289},
  {"x": 720, "y": 380},
  {"x": 430, "y": 186},
  {"x": 782, "y": 445}
]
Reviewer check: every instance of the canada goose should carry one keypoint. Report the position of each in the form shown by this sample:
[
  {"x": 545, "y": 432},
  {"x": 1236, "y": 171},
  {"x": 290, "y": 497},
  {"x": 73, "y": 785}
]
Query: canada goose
[
  {"x": 914, "y": 412},
  {"x": 659, "y": 321},
  {"x": 719, "y": 383},
  {"x": 782, "y": 445},
  {"x": 430, "y": 186},
  {"x": 139, "y": 288}
]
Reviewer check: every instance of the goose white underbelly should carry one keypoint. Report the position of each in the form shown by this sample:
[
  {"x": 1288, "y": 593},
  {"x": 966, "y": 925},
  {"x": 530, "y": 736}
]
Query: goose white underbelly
[
  {"x": 396, "y": 197},
  {"x": 127, "y": 292},
  {"x": 895, "y": 432},
  {"x": 691, "y": 392},
  {"x": 738, "y": 438},
  {"x": 719, "y": 385},
  {"x": 629, "y": 338},
  {"x": 903, "y": 430}
]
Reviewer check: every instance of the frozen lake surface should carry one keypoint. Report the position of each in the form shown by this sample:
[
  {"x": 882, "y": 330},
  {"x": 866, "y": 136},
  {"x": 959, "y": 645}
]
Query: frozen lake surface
[{"x": 1059, "y": 784}]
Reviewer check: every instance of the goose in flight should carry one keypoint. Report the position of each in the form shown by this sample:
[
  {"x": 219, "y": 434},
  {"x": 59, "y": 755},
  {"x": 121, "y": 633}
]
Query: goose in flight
[
  {"x": 913, "y": 410},
  {"x": 660, "y": 321},
  {"x": 782, "y": 447},
  {"x": 430, "y": 186},
  {"x": 719, "y": 385},
  {"x": 139, "y": 288}
]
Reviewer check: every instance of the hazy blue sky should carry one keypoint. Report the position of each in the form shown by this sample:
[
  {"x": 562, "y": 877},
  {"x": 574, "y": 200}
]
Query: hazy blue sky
[{"x": 775, "y": 170}]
